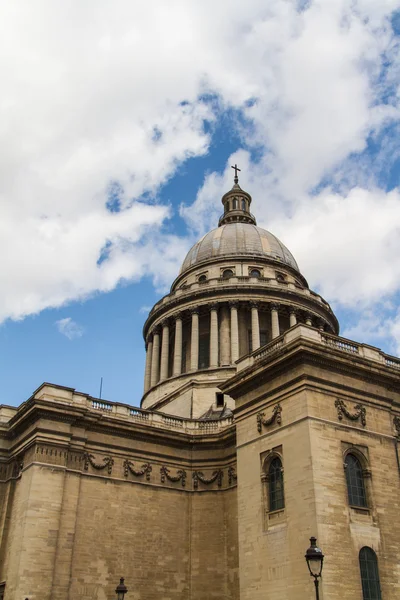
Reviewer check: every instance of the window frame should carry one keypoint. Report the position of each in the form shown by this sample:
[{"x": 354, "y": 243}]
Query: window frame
[
  {"x": 372, "y": 579},
  {"x": 355, "y": 481}
]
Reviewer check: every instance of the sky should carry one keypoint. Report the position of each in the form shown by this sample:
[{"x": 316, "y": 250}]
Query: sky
[{"x": 119, "y": 123}]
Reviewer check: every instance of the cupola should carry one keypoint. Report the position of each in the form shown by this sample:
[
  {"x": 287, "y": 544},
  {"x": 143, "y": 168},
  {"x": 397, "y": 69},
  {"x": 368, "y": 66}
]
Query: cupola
[{"x": 236, "y": 205}]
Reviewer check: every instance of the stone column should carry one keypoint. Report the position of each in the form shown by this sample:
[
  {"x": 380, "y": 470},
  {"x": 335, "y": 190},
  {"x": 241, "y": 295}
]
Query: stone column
[
  {"x": 234, "y": 331},
  {"x": 274, "y": 321},
  {"x": 164, "y": 351},
  {"x": 255, "y": 326},
  {"x": 224, "y": 336},
  {"x": 292, "y": 318},
  {"x": 155, "y": 359},
  {"x": 214, "y": 335},
  {"x": 308, "y": 320},
  {"x": 147, "y": 371},
  {"x": 194, "y": 350},
  {"x": 177, "y": 368}
]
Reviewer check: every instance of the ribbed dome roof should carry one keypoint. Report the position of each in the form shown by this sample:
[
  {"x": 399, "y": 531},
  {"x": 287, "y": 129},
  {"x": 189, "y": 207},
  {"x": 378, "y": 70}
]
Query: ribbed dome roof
[{"x": 238, "y": 240}]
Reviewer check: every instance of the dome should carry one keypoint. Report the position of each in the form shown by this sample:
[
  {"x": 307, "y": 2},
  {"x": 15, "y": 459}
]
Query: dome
[{"x": 238, "y": 239}]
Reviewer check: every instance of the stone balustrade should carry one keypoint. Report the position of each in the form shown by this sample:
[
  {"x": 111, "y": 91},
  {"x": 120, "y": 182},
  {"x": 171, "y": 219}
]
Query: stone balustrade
[
  {"x": 68, "y": 396},
  {"x": 333, "y": 341}
]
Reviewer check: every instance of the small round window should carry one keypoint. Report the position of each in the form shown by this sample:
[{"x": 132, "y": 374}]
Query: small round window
[
  {"x": 202, "y": 278},
  {"x": 255, "y": 273},
  {"x": 227, "y": 273}
]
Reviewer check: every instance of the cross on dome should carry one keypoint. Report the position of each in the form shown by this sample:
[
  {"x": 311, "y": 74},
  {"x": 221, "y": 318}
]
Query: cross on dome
[{"x": 236, "y": 169}]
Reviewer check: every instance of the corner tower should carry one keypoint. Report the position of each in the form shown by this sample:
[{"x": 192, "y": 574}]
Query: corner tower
[{"x": 238, "y": 288}]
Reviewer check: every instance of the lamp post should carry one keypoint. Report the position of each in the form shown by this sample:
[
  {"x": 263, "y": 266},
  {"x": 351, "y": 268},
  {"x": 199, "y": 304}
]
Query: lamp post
[
  {"x": 315, "y": 561},
  {"x": 121, "y": 589}
]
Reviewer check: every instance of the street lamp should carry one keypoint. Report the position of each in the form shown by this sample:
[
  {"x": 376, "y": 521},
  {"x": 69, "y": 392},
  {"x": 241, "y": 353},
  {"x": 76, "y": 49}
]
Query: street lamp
[
  {"x": 315, "y": 561},
  {"x": 121, "y": 589}
]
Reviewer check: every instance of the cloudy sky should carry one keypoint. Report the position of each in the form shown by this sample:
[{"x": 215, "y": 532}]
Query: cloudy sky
[{"x": 119, "y": 123}]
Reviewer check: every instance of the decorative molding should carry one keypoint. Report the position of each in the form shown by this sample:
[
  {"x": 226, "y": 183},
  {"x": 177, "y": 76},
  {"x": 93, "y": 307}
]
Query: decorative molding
[
  {"x": 232, "y": 475},
  {"x": 166, "y": 474},
  {"x": 276, "y": 416},
  {"x": 145, "y": 469},
  {"x": 396, "y": 423},
  {"x": 89, "y": 459},
  {"x": 199, "y": 476},
  {"x": 359, "y": 414}
]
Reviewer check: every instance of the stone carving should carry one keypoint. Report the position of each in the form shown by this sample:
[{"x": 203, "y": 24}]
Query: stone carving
[
  {"x": 89, "y": 459},
  {"x": 359, "y": 414},
  {"x": 166, "y": 474},
  {"x": 276, "y": 416},
  {"x": 199, "y": 476},
  {"x": 396, "y": 423},
  {"x": 232, "y": 476},
  {"x": 145, "y": 469}
]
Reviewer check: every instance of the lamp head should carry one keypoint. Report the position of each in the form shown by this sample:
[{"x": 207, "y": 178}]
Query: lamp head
[
  {"x": 314, "y": 558},
  {"x": 121, "y": 589}
]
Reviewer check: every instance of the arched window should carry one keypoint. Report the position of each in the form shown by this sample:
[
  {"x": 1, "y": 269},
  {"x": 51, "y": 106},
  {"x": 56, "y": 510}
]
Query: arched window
[
  {"x": 255, "y": 273},
  {"x": 202, "y": 278},
  {"x": 227, "y": 273},
  {"x": 371, "y": 587},
  {"x": 275, "y": 480},
  {"x": 355, "y": 481},
  {"x": 243, "y": 204}
]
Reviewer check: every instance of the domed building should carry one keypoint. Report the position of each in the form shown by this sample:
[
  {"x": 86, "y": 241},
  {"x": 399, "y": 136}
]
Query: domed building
[{"x": 259, "y": 428}]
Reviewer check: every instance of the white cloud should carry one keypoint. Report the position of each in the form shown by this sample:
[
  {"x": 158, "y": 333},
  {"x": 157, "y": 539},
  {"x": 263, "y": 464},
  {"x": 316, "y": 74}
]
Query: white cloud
[
  {"x": 91, "y": 97},
  {"x": 70, "y": 328}
]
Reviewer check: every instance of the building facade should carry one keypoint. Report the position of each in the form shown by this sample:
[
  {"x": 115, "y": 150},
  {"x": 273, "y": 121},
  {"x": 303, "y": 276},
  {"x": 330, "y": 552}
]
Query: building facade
[{"x": 258, "y": 428}]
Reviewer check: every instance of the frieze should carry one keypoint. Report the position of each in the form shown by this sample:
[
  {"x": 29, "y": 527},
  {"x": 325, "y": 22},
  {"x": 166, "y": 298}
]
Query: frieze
[
  {"x": 360, "y": 412},
  {"x": 276, "y": 416},
  {"x": 199, "y": 476},
  {"x": 165, "y": 473},
  {"x": 129, "y": 467},
  {"x": 232, "y": 476},
  {"x": 11, "y": 470},
  {"x": 89, "y": 459}
]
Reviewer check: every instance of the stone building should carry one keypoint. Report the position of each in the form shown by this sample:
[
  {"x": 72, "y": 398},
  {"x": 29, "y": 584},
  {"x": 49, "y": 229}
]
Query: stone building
[{"x": 259, "y": 427}]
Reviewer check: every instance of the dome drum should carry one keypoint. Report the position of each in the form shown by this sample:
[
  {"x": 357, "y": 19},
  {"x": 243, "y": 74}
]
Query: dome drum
[{"x": 200, "y": 340}]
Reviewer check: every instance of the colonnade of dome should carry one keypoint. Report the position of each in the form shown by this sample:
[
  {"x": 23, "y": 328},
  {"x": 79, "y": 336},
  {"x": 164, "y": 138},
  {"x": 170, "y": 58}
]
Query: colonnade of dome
[{"x": 216, "y": 334}]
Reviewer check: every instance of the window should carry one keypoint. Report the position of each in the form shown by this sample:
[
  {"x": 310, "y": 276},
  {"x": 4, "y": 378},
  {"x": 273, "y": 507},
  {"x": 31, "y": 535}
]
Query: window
[
  {"x": 202, "y": 278},
  {"x": 235, "y": 204},
  {"x": 355, "y": 481},
  {"x": 243, "y": 205},
  {"x": 275, "y": 480},
  {"x": 219, "y": 399},
  {"x": 255, "y": 273},
  {"x": 204, "y": 352},
  {"x": 280, "y": 277},
  {"x": 371, "y": 588},
  {"x": 227, "y": 273},
  {"x": 2, "y": 589}
]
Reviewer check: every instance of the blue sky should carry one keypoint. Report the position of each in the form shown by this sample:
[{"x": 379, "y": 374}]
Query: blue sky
[{"x": 118, "y": 129}]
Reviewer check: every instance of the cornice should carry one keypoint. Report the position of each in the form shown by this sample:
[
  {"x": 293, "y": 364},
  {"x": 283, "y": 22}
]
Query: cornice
[
  {"x": 244, "y": 293},
  {"x": 103, "y": 423}
]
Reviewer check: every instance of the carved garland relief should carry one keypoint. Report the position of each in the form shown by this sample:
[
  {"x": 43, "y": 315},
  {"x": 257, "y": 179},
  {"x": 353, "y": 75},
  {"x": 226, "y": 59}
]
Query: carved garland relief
[
  {"x": 276, "y": 416},
  {"x": 360, "y": 412}
]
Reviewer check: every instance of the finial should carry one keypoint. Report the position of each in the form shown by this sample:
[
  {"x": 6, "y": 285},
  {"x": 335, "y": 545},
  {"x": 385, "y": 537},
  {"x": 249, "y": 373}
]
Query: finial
[{"x": 236, "y": 169}]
